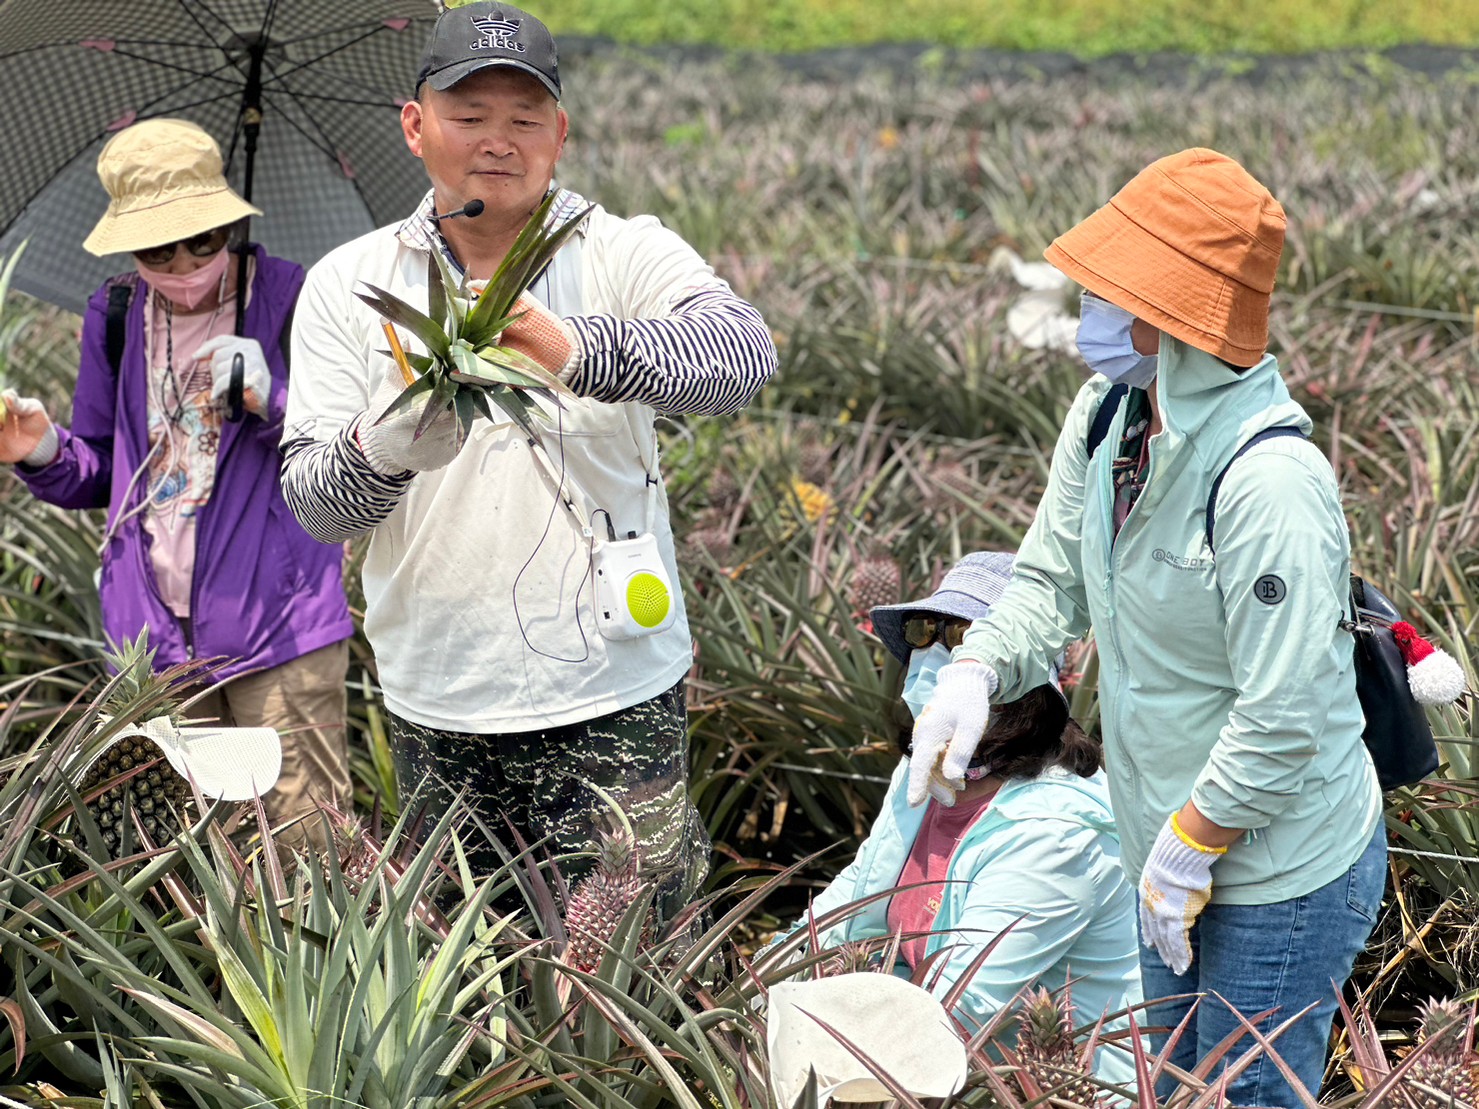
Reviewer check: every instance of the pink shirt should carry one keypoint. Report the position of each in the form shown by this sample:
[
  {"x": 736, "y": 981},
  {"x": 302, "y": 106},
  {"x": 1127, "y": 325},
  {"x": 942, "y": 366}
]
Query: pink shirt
[
  {"x": 185, "y": 433},
  {"x": 914, "y": 910}
]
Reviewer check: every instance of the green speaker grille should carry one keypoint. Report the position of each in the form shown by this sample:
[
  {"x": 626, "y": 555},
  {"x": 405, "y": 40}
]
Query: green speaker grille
[{"x": 648, "y": 600}]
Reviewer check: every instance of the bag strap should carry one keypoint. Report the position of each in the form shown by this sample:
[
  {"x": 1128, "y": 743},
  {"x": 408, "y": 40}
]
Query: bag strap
[
  {"x": 115, "y": 322},
  {"x": 1104, "y": 416},
  {"x": 285, "y": 336},
  {"x": 1265, "y": 434}
]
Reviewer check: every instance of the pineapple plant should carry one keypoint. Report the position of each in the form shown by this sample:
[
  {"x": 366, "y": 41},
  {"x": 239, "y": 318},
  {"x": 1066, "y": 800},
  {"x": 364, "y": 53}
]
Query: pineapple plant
[
  {"x": 1443, "y": 1074},
  {"x": 723, "y": 487},
  {"x": 814, "y": 463},
  {"x": 602, "y": 897},
  {"x": 711, "y": 537},
  {"x": 132, "y": 774},
  {"x": 466, "y": 369},
  {"x": 875, "y": 581},
  {"x": 1050, "y": 1062},
  {"x": 949, "y": 480}
]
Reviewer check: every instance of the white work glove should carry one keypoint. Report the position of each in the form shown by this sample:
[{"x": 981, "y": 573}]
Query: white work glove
[
  {"x": 1174, "y": 889},
  {"x": 256, "y": 377},
  {"x": 949, "y": 730},
  {"x": 391, "y": 446},
  {"x": 542, "y": 336},
  {"x": 27, "y": 434}
]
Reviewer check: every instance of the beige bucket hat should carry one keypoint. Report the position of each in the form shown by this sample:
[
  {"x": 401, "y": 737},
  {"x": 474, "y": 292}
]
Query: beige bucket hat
[{"x": 165, "y": 182}]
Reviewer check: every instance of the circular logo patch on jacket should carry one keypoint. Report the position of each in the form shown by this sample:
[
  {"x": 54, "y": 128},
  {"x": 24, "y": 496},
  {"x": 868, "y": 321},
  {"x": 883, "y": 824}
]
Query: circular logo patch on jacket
[{"x": 1269, "y": 589}]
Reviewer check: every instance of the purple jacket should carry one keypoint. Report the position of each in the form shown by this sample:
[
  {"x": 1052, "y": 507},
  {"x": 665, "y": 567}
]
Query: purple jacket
[{"x": 264, "y": 590}]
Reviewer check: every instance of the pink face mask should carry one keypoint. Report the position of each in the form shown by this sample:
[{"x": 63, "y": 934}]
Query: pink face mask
[{"x": 188, "y": 290}]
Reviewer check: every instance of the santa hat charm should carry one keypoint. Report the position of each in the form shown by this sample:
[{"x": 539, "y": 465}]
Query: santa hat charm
[{"x": 1432, "y": 673}]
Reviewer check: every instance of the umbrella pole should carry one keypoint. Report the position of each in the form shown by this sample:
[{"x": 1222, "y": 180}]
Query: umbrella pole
[{"x": 251, "y": 121}]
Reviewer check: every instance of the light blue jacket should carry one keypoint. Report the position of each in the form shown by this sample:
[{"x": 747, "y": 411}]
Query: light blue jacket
[
  {"x": 1224, "y": 678},
  {"x": 1042, "y": 861}
]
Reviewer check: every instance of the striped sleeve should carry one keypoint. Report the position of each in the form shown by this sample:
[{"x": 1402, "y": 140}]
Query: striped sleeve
[
  {"x": 333, "y": 490},
  {"x": 709, "y": 357}
]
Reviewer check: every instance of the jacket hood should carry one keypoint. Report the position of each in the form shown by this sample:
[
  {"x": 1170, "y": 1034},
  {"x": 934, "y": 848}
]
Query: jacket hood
[
  {"x": 1055, "y": 794},
  {"x": 1199, "y": 393}
]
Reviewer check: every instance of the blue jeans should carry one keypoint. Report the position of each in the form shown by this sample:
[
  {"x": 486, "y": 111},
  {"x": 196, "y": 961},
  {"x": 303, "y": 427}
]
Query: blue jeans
[{"x": 1286, "y": 956}]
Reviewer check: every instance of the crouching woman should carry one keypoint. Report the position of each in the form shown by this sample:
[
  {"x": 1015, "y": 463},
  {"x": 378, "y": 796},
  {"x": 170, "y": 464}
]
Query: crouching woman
[{"x": 1025, "y": 861}]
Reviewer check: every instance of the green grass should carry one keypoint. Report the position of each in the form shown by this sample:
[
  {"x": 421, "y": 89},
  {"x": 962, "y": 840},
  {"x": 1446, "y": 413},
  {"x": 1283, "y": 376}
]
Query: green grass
[{"x": 1085, "y": 27}]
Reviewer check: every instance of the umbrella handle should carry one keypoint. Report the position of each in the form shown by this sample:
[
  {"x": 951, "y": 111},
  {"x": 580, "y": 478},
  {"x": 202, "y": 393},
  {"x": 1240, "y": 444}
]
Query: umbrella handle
[{"x": 236, "y": 391}]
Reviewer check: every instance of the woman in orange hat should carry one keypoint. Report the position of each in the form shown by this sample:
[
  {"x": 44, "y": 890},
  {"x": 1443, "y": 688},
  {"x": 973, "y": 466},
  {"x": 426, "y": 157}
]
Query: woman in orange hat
[{"x": 1248, "y": 807}]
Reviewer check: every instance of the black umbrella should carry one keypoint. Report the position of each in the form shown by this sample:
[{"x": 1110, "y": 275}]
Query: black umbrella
[{"x": 302, "y": 95}]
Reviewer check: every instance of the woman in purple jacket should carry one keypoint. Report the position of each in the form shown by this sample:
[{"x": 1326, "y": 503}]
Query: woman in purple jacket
[{"x": 199, "y": 547}]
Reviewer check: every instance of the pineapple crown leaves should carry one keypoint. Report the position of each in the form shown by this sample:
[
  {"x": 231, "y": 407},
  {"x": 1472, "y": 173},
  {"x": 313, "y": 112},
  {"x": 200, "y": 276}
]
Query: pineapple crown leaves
[
  {"x": 621, "y": 823},
  {"x": 462, "y": 333},
  {"x": 133, "y": 660},
  {"x": 1448, "y": 1026}
]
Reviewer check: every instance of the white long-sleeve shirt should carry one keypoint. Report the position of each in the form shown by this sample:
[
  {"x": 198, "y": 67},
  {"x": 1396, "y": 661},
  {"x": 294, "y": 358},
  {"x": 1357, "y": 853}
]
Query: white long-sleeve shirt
[{"x": 477, "y": 579}]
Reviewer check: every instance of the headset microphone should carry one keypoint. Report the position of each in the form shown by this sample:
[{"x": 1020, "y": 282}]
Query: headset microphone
[{"x": 472, "y": 209}]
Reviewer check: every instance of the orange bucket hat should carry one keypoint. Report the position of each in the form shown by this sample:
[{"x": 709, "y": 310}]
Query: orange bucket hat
[{"x": 1190, "y": 245}]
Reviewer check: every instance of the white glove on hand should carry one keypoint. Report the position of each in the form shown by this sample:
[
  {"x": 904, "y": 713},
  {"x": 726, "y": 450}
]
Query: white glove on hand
[
  {"x": 390, "y": 445},
  {"x": 949, "y": 730},
  {"x": 1174, "y": 889},
  {"x": 256, "y": 377},
  {"x": 27, "y": 434}
]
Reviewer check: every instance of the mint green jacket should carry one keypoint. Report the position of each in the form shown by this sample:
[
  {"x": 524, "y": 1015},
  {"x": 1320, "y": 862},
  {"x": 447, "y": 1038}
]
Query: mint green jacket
[
  {"x": 1042, "y": 865},
  {"x": 1223, "y": 678}
]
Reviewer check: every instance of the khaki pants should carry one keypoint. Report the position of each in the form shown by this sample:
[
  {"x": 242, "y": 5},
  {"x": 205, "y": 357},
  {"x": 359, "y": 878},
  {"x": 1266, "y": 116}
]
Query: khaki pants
[{"x": 305, "y": 700}]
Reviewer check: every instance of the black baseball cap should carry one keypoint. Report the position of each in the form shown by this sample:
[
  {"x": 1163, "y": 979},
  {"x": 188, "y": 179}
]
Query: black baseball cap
[{"x": 481, "y": 35}]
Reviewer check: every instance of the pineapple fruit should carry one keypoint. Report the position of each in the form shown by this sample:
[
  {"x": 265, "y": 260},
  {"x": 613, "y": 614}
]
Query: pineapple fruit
[
  {"x": 948, "y": 478},
  {"x": 1446, "y": 1067},
  {"x": 724, "y": 487},
  {"x": 156, "y": 792},
  {"x": 711, "y": 538},
  {"x": 1049, "y": 1058},
  {"x": 143, "y": 780},
  {"x": 466, "y": 370},
  {"x": 875, "y": 581},
  {"x": 601, "y": 898},
  {"x": 814, "y": 464}
]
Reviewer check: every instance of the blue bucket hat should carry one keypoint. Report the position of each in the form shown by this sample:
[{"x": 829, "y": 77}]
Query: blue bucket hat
[{"x": 967, "y": 591}]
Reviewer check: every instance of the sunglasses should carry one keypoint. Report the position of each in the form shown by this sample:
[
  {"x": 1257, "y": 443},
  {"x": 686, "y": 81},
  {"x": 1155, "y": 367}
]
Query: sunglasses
[
  {"x": 201, "y": 246},
  {"x": 924, "y": 631}
]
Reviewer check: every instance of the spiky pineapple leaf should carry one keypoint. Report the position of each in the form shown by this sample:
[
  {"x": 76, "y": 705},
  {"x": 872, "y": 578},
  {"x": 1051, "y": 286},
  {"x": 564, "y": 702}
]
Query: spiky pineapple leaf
[
  {"x": 466, "y": 410},
  {"x": 418, "y": 362},
  {"x": 479, "y": 400},
  {"x": 421, "y": 385},
  {"x": 527, "y": 263},
  {"x": 517, "y": 362},
  {"x": 517, "y": 407},
  {"x": 464, "y": 359},
  {"x": 436, "y": 293},
  {"x": 442, "y": 392},
  {"x": 418, "y": 323},
  {"x": 487, "y": 373},
  {"x": 532, "y": 251}
]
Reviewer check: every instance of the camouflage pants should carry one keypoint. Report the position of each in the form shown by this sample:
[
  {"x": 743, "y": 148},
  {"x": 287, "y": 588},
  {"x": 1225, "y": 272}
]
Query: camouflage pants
[{"x": 638, "y": 755}]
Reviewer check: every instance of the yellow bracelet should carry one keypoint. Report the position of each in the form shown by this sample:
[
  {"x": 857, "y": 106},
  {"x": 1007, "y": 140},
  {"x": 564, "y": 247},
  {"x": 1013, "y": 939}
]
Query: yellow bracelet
[{"x": 1193, "y": 844}]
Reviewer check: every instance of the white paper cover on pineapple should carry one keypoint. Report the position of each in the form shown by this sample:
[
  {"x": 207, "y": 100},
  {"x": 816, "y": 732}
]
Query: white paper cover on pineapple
[{"x": 634, "y": 596}]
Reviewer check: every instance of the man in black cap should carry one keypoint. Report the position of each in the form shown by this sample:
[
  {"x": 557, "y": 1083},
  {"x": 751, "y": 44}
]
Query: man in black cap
[{"x": 480, "y": 600}]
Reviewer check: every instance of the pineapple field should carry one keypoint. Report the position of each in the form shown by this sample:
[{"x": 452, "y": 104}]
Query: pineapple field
[{"x": 875, "y": 222}]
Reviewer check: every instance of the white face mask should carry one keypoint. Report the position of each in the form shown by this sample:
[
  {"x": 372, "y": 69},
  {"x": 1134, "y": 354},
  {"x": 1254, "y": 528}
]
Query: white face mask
[
  {"x": 924, "y": 669},
  {"x": 1105, "y": 343}
]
